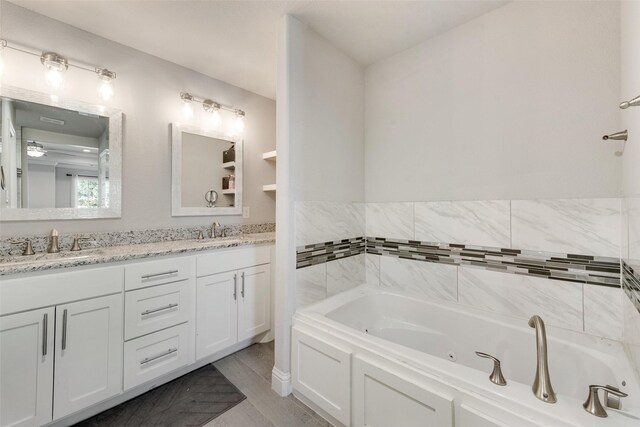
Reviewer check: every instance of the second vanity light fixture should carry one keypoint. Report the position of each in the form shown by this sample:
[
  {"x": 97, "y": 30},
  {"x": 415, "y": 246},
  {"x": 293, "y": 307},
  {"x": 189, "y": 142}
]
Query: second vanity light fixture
[
  {"x": 56, "y": 65},
  {"x": 213, "y": 109}
]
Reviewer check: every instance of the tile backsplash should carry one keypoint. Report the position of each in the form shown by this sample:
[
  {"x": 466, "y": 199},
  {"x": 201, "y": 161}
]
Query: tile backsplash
[{"x": 120, "y": 238}]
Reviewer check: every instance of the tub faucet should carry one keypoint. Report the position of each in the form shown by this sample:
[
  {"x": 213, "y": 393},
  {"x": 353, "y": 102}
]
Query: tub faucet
[{"x": 542, "y": 384}]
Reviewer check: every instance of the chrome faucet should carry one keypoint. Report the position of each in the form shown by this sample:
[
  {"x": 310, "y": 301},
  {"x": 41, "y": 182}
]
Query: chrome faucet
[
  {"x": 214, "y": 226},
  {"x": 54, "y": 246},
  {"x": 542, "y": 384}
]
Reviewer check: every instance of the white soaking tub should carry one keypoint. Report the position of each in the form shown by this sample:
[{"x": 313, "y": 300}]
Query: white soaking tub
[{"x": 376, "y": 358}]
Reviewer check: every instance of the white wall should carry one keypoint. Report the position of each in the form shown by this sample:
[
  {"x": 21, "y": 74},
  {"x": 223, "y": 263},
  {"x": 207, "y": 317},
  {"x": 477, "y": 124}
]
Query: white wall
[
  {"x": 147, "y": 91},
  {"x": 328, "y": 125},
  {"x": 42, "y": 185},
  {"x": 630, "y": 73},
  {"x": 320, "y": 145},
  {"x": 511, "y": 105}
]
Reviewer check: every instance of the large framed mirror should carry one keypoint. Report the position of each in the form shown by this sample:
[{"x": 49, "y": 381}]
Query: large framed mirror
[
  {"x": 206, "y": 172},
  {"x": 59, "y": 159}
]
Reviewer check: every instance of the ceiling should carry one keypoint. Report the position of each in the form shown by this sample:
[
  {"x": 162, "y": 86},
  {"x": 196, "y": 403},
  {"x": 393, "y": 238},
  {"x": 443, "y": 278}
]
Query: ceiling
[
  {"x": 235, "y": 41},
  {"x": 29, "y": 115}
]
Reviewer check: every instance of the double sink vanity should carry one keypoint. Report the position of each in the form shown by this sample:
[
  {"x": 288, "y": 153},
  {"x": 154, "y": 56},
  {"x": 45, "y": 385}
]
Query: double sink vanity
[{"x": 84, "y": 331}]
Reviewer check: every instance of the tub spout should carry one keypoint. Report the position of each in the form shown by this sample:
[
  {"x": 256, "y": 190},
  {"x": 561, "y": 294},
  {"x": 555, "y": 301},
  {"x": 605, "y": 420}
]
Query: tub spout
[{"x": 542, "y": 384}]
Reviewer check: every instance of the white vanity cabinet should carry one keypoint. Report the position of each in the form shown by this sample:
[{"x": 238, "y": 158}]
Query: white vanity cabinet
[
  {"x": 26, "y": 367},
  {"x": 65, "y": 356},
  {"x": 233, "y": 303},
  {"x": 76, "y": 342},
  {"x": 88, "y": 353}
]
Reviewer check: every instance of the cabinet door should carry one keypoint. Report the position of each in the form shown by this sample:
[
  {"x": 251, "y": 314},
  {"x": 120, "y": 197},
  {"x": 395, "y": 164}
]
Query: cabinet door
[
  {"x": 386, "y": 395},
  {"x": 26, "y": 368},
  {"x": 216, "y": 313},
  {"x": 88, "y": 353},
  {"x": 254, "y": 311}
]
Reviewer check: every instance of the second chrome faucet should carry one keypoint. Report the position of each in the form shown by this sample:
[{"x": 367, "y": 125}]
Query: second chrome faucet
[{"x": 542, "y": 383}]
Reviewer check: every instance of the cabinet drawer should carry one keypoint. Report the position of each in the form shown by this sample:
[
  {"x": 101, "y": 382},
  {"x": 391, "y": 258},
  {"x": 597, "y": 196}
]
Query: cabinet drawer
[
  {"x": 232, "y": 259},
  {"x": 157, "y": 354},
  {"x": 52, "y": 288},
  {"x": 151, "y": 309},
  {"x": 153, "y": 273}
]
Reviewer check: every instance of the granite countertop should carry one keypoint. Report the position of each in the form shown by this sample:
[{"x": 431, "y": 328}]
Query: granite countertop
[{"x": 45, "y": 261}]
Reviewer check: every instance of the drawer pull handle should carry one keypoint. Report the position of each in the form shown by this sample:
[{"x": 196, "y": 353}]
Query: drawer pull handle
[
  {"x": 155, "y": 310},
  {"x": 242, "y": 290},
  {"x": 235, "y": 286},
  {"x": 64, "y": 329},
  {"x": 45, "y": 327},
  {"x": 157, "y": 275},
  {"x": 151, "y": 359}
]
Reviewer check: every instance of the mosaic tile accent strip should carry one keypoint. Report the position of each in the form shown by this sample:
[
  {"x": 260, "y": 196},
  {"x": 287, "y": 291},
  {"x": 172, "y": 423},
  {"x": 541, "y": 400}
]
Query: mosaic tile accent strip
[
  {"x": 631, "y": 284},
  {"x": 319, "y": 253},
  {"x": 604, "y": 271},
  {"x": 120, "y": 238}
]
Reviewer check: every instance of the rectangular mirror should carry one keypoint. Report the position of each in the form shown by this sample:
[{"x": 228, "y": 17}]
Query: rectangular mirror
[
  {"x": 206, "y": 172},
  {"x": 59, "y": 159}
]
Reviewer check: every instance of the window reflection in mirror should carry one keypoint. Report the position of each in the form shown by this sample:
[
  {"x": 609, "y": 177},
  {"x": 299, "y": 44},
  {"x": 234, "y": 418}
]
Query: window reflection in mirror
[{"x": 53, "y": 157}]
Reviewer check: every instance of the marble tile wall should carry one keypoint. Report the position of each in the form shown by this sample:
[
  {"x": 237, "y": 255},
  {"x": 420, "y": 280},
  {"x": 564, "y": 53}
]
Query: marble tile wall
[
  {"x": 631, "y": 277},
  {"x": 545, "y": 236},
  {"x": 550, "y": 264},
  {"x": 328, "y": 231},
  {"x": 581, "y": 226},
  {"x": 576, "y": 226}
]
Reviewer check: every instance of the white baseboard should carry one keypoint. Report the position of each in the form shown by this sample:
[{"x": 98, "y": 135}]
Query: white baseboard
[{"x": 281, "y": 382}]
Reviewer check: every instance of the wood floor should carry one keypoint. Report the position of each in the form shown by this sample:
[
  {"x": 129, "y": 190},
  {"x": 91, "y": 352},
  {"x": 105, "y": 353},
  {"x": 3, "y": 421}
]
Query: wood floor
[{"x": 250, "y": 371}]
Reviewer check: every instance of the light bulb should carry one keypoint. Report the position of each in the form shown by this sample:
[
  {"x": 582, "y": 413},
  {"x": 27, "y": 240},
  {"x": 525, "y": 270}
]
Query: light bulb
[
  {"x": 55, "y": 79},
  {"x": 239, "y": 124},
  {"x": 105, "y": 90},
  {"x": 55, "y": 66},
  {"x": 187, "y": 110},
  {"x": 215, "y": 120}
]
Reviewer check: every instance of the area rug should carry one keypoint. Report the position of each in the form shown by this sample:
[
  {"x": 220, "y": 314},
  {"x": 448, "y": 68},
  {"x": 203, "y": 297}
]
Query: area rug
[{"x": 191, "y": 400}]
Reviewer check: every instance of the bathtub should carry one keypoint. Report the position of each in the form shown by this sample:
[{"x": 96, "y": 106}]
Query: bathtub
[{"x": 378, "y": 358}]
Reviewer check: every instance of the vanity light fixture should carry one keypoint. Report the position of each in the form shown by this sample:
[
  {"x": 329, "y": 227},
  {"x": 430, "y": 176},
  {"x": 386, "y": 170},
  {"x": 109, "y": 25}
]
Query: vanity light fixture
[
  {"x": 56, "y": 65},
  {"x": 105, "y": 87},
  {"x": 213, "y": 108}
]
